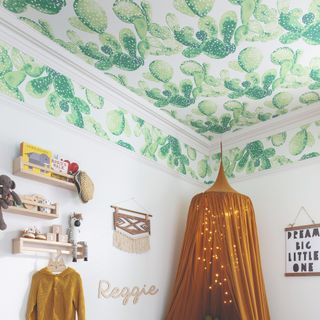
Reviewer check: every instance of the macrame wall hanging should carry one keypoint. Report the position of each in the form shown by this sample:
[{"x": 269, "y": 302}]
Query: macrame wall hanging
[{"x": 131, "y": 230}]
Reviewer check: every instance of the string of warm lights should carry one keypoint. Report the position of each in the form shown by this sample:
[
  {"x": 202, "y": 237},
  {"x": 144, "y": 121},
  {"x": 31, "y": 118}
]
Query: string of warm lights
[{"x": 211, "y": 256}]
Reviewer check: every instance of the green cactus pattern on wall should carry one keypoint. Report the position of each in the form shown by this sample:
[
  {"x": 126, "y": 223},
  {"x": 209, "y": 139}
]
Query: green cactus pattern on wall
[
  {"x": 271, "y": 152},
  {"x": 256, "y": 59},
  {"x": 214, "y": 66},
  {"x": 24, "y": 79}
]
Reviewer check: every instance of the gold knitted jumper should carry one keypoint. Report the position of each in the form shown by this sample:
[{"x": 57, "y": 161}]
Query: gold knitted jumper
[{"x": 56, "y": 296}]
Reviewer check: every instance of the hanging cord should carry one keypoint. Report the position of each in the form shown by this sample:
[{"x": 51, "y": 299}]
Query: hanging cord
[
  {"x": 302, "y": 209},
  {"x": 134, "y": 200}
]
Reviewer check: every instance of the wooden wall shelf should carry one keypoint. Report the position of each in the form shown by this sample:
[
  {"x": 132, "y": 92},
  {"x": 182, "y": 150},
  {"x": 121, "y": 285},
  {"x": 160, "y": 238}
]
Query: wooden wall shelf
[
  {"x": 20, "y": 170},
  {"x": 25, "y": 245},
  {"x": 34, "y": 213}
]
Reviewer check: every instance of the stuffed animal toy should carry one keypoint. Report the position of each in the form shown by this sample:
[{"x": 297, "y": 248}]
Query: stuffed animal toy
[
  {"x": 7, "y": 197},
  {"x": 73, "y": 233}
]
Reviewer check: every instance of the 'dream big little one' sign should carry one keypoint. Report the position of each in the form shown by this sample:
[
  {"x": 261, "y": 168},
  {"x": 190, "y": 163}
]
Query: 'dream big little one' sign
[{"x": 303, "y": 250}]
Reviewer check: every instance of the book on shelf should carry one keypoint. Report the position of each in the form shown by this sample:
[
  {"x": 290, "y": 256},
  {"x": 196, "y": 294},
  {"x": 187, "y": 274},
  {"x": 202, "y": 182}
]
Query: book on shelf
[{"x": 37, "y": 156}]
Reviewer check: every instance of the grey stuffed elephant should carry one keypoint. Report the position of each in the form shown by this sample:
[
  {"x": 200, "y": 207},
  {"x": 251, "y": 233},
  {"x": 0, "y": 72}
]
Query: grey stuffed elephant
[{"x": 7, "y": 197}]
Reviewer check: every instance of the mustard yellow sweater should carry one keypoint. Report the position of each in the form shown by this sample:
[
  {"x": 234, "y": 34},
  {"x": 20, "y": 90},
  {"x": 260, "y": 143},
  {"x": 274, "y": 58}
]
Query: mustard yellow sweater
[{"x": 56, "y": 297}]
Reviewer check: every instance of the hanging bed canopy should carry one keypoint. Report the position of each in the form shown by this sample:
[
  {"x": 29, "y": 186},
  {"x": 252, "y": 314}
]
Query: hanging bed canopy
[{"x": 219, "y": 273}]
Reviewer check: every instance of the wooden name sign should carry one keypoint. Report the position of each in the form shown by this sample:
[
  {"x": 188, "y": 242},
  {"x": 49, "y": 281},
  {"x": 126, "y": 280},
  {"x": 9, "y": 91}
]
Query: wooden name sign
[
  {"x": 303, "y": 250},
  {"x": 106, "y": 291}
]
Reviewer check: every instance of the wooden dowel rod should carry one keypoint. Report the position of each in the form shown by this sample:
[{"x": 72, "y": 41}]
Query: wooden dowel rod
[{"x": 145, "y": 214}]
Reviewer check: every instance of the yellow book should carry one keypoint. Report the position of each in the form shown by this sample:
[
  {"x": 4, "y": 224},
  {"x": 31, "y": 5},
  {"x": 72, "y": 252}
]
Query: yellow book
[{"x": 37, "y": 156}]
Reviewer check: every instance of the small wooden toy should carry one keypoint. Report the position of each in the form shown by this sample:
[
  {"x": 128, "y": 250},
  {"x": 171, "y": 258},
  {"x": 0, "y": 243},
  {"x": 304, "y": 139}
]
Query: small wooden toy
[
  {"x": 51, "y": 236},
  {"x": 57, "y": 228},
  {"x": 62, "y": 238},
  {"x": 73, "y": 233}
]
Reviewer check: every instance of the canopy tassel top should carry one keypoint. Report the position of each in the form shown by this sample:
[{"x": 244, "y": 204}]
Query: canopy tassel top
[
  {"x": 219, "y": 274},
  {"x": 221, "y": 184}
]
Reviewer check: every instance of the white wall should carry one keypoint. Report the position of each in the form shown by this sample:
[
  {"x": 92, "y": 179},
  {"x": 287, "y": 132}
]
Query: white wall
[
  {"x": 117, "y": 177},
  {"x": 277, "y": 199}
]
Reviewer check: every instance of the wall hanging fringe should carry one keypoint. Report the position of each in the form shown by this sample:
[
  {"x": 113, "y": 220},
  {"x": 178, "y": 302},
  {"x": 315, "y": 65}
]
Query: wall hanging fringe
[{"x": 131, "y": 230}]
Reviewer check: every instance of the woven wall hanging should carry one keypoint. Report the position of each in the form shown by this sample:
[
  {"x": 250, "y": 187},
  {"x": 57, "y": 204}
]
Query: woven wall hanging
[{"x": 131, "y": 230}]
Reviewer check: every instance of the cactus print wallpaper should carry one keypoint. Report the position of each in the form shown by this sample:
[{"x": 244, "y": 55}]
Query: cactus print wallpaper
[
  {"x": 215, "y": 66},
  {"x": 280, "y": 149},
  {"x": 25, "y": 79}
]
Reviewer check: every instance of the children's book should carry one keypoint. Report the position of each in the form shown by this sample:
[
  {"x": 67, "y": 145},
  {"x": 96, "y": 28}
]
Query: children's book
[
  {"x": 37, "y": 156},
  {"x": 59, "y": 165}
]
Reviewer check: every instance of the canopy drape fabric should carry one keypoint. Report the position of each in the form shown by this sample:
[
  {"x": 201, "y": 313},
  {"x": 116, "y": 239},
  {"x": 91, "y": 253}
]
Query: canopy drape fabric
[{"x": 219, "y": 272}]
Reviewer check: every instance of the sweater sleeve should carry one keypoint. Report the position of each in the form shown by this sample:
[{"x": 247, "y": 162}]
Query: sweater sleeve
[
  {"x": 79, "y": 303},
  {"x": 32, "y": 301}
]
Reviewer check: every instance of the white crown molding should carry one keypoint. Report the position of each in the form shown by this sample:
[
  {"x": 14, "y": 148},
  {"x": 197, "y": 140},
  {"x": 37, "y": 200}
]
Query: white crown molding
[
  {"x": 24, "y": 108},
  {"x": 23, "y": 37},
  {"x": 262, "y": 130}
]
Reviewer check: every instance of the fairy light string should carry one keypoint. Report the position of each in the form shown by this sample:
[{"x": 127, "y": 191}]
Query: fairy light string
[{"x": 213, "y": 240}]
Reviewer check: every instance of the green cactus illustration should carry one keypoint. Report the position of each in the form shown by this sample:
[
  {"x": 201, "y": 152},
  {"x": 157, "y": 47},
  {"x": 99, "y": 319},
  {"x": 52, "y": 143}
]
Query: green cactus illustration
[
  {"x": 129, "y": 12},
  {"x": 171, "y": 150},
  {"x": 125, "y": 145},
  {"x": 207, "y": 107},
  {"x": 180, "y": 97},
  {"x": 62, "y": 99},
  {"x": 315, "y": 76},
  {"x": 48, "y": 7},
  {"x": 204, "y": 169},
  {"x": 249, "y": 59},
  {"x": 255, "y": 156},
  {"x": 191, "y": 152},
  {"x": 299, "y": 26},
  {"x": 153, "y": 138},
  {"x": 251, "y": 89},
  {"x": 172, "y": 58},
  {"x": 299, "y": 142},
  {"x": 310, "y": 155},
  {"x": 91, "y": 14},
  {"x": 280, "y": 102},
  {"x": 292, "y": 74},
  {"x": 213, "y": 124},
  {"x": 14, "y": 78},
  {"x": 92, "y": 125},
  {"x": 278, "y": 139},
  {"x": 161, "y": 70},
  {"x": 94, "y": 99},
  {"x": 309, "y": 97},
  {"x": 200, "y": 8},
  {"x": 259, "y": 22},
  {"x": 116, "y": 122},
  {"x": 122, "y": 54},
  {"x": 5, "y": 62},
  {"x": 207, "y": 42}
]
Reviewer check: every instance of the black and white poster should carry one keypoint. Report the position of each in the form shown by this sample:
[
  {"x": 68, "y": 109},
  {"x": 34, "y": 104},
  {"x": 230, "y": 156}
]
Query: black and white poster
[{"x": 302, "y": 250}]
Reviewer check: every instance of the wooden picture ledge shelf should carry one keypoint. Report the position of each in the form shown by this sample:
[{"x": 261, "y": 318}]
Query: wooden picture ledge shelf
[
  {"x": 36, "y": 213},
  {"x": 25, "y": 245},
  {"x": 19, "y": 169}
]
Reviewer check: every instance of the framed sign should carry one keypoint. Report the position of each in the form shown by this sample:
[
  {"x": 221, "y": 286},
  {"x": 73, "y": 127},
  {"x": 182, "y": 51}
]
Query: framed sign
[{"x": 303, "y": 250}]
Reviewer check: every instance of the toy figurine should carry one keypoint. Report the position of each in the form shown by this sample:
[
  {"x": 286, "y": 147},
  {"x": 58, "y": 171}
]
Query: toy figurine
[
  {"x": 73, "y": 233},
  {"x": 7, "y": 197}
]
